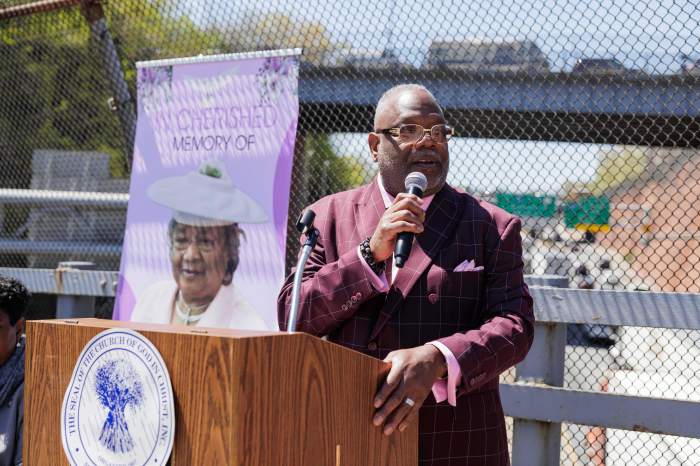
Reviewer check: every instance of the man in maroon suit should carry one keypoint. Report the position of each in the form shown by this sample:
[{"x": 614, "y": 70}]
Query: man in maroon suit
[{"x": 452, "y": 319}]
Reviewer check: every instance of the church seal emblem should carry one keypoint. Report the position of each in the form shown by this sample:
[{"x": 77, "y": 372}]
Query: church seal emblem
[{"x": 119, "y": 406}]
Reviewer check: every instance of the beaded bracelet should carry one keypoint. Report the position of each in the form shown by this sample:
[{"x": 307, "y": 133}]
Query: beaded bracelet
[{"x": 366, "y": 252}]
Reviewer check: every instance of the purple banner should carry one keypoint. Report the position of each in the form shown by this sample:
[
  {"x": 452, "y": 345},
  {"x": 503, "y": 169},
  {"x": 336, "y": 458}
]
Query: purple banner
[{"x": 206, "y": 225}]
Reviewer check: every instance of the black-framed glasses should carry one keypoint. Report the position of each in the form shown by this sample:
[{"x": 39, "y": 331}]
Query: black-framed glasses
[{"x": 411, "y": 133}]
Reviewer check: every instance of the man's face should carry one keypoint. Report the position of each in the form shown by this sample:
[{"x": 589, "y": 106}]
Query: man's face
[
  {"x": 395, "y": 159},
  {"x": 199, "y": 257}
]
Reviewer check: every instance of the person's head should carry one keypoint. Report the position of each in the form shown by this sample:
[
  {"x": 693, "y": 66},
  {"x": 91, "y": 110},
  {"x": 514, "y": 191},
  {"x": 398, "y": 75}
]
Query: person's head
[
  {"x": 203, "y": 258},
  {"x": 399, "y": 149},
  {"x": 14, "y": 299}
]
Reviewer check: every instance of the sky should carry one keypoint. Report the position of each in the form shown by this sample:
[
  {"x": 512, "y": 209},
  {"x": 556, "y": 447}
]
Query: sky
[
  {"x": 492, "y": 165},
  {"x": 646, "y": 34},
  {"x": 643, "y": 34}
]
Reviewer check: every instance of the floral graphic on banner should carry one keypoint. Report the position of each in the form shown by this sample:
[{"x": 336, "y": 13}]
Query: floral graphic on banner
[
  {"x": 276, "y": 76},
  {"x": 154, "y": 82}
]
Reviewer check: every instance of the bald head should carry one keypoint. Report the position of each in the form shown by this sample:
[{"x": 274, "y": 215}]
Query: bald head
[
  {"x": 408, "y": 104},
  {"x": 401, "y": 95}
]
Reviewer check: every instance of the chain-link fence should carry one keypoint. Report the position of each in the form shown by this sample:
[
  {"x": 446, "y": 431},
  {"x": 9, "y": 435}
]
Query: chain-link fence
[{"x": 581, "y": 117}]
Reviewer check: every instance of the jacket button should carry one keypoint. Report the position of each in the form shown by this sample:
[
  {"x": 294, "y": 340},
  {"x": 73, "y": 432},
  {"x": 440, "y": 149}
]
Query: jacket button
[
  {"x": 372, "y": 346},
  {"x": 433, "y": 298}
]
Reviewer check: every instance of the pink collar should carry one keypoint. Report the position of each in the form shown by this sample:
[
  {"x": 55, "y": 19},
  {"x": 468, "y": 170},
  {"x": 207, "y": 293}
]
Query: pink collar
[{"x": 389, "y": 199}]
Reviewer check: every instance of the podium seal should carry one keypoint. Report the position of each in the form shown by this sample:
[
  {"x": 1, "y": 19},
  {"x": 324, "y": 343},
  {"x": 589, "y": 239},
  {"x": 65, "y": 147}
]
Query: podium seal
[{"x": 119, "y": 406}]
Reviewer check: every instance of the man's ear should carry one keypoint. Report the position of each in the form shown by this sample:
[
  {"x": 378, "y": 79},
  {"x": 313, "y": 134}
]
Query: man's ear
[{"x": 373, "y": 142}]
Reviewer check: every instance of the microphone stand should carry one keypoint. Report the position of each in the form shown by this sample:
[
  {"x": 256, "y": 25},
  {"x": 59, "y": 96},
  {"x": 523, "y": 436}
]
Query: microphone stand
[{"x": 305, "y": 225}]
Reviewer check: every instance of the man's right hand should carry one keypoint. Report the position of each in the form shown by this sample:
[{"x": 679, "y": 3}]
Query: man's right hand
[{"x": 405, "y": 214}]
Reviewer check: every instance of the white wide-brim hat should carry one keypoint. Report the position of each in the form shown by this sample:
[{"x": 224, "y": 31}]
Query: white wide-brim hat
[{"x": 206, "y": 197}]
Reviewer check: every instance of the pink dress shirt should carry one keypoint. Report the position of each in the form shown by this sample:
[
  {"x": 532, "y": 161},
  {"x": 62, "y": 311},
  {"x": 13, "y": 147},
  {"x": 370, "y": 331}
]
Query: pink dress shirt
[{"x": 443, "y": 389}]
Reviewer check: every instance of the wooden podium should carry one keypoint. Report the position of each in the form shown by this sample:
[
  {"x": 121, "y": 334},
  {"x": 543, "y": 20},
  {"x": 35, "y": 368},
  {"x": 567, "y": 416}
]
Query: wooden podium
[{"x": 241, "y": 398}]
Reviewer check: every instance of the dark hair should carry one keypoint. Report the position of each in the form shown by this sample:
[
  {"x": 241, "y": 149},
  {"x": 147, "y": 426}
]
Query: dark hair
[
  {"x": 232, "y": 239},
  {"x": 14, "y": 298}
]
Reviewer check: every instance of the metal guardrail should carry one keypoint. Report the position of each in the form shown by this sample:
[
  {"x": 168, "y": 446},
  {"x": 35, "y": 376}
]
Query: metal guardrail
[
  {"x": 539, "y": 404},
  {"x": 66, "y": 281},
  {"x": 70, "y": 199},
  {"x": 623, "y": 308},
  {"x": 75, "y": 289},
  {"x": 46, "y": 198},
  {"x": 537, "y": 400},
  {"x": 67, "y": 248},
  {"x": 552, "y": 405}
]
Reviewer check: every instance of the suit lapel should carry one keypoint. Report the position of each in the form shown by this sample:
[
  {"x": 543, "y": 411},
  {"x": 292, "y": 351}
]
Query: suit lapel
[
  {"x": 369, "y": 210},
  {"x": 441, "y": 219}
]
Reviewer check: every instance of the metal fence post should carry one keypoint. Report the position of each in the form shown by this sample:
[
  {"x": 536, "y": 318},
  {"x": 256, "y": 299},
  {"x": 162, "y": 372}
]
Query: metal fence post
[
  {"x": 539, "y": 443},
  {"x": 299, "y": 196},
  {"x": 122, "y": 100},
  {"x": 71, "y": 306}
]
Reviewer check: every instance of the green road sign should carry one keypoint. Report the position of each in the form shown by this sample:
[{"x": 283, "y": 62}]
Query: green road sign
[
  {"x": 588, "y": 213},
  {"x": 527, "y": 205}
]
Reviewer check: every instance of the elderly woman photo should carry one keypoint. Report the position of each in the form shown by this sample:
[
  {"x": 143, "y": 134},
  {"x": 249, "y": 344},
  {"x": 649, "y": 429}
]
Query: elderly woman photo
[
  {"x": 14, "y": 298},
  {"x": 204, "y": 241}
]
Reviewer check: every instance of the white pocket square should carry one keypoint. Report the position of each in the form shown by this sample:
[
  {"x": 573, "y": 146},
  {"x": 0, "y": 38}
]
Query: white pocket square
[{"x": 468, "y": 266}]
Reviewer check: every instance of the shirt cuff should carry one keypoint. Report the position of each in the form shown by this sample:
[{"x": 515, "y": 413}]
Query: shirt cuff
[
  {"x": 447, "y": 389},
  {"x": 378, "y": 282}
]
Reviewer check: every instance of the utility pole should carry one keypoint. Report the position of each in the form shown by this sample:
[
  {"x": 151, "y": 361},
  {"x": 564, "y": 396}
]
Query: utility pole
[{"x": 389, "y": 29}]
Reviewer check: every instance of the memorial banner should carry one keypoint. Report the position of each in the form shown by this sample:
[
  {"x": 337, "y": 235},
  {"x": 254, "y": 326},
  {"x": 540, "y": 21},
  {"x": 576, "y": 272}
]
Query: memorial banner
[{"x": 206, "y": 224}]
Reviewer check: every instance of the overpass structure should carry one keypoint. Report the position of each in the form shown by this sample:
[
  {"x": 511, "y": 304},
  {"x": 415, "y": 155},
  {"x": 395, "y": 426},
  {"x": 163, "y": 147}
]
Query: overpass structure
[{"x": 630, "y": 108}]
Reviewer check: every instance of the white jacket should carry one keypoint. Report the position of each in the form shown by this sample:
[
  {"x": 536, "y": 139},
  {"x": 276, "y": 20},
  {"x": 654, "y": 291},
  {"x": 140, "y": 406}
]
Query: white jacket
[{"x": 228, "y": 309}]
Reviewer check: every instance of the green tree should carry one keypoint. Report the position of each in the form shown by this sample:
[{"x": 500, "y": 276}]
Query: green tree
[
  {"x": 329, "y": 172},
  {"x": 22, "y": 111},
  {"x": 55, "y": 91},
  {"x": 274, "y": 31},
  {"x": 617, "y": 168}
]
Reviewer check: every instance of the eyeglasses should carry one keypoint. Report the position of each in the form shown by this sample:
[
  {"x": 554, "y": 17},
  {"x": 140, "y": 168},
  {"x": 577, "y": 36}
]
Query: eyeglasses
[
  {"x": 181, "y": 243},
  {"x": 412, "y": 133}
]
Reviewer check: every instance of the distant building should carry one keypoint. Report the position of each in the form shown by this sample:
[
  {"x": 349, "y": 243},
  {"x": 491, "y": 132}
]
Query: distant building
[
  {"x": 372, "y": 59},
  {"x": 488, "y": 55},
  {"x": 360, "y": 58}
]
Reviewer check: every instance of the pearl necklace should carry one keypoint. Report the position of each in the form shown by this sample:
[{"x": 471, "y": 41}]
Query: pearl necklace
[{"x": 184, "y": 311}]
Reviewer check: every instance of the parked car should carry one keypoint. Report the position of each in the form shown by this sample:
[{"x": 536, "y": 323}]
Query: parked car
[
  {"x": 599, "y": 66},
  {"x": 487, "y": 55}
]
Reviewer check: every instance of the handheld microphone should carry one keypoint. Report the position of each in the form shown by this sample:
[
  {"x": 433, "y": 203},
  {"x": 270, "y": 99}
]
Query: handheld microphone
[{"x": 415, "y": 183}]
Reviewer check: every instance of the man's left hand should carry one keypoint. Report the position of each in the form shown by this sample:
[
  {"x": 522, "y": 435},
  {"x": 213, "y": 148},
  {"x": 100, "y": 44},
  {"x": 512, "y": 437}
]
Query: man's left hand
[{"x": 412, "y": 375}]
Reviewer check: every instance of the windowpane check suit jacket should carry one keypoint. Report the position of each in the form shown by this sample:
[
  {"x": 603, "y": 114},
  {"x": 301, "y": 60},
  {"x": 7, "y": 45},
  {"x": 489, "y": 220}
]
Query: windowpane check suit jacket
[{"x": 483, "y": 316}]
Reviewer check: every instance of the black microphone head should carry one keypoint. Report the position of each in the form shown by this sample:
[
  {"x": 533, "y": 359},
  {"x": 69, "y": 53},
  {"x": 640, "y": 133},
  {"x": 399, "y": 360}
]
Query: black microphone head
[
  {"x": 415, "y": 180},
  {"x": 305, "y": 221}
]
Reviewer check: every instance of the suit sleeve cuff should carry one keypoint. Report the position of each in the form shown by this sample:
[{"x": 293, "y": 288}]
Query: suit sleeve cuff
[
  {"x": 447, "y": 389},
  {"x": 378, "y": 282}
]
